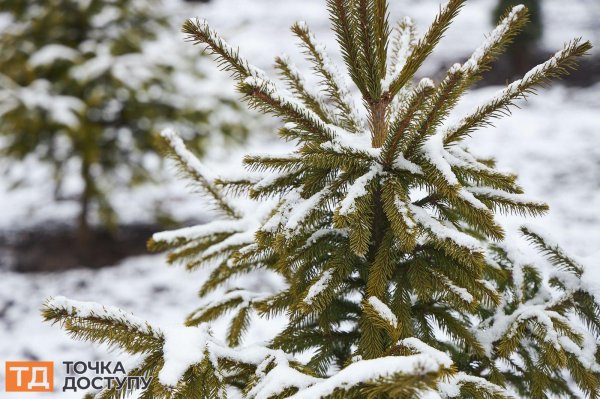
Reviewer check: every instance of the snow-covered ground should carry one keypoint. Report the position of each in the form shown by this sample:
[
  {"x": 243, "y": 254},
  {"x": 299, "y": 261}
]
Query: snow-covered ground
[{"x": 552, "y": 143}]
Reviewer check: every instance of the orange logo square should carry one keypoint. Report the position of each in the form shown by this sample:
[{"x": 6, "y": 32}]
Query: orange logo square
[{"x": 29, "y": 376}]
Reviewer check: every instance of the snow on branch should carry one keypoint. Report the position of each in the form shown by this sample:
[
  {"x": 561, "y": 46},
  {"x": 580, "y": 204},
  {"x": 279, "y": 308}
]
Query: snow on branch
[
  {"x": 556, "y": 66},
  {"x": 279, "y": 378},
  {"x": 242, "y": 297},
  {"x": 461, "y": 292},
  {"x": 425, "y": 45},
  {"x": 183, "y": 348},
  {"x": 319, "y": 286},
  {"x": 235, "y": 240},
  {"x": 451, "y": 387},
  {"x": 492, "y": 193},
  {"x": 264, "y": 94},
  {"x": 200, "y": 32},
  {"x": 552, "y": 250},
  {"x": 441, "y": 231},
  {"x": 192, "y": 166},
  {"x": 402, "y": 43},
  {"x": 383, "y": 311},
  {"x": 82, "y": 309},
  {"x": 507, "y": 27},
  {"x": 52, "y": 52},
  {"x": 195, "y": 232},
  {"x": 357, "y": 142},
  {"x": 433, "y": 150},
  {"x": 296, "y": 82},
  {"x": 401, "y": 163},
  {"x": 191, "y": 161},
  {"x": 505, "y": 326},
  {"x": 303, "y": 207},
  {"x": 586, "y": 353},
  {"x": 365, "y": 371},
  {"x": 458, "y": 156},
  {"x": 576, "y": 274},
  {"x": 64, "y": 110},
  {"x": 187, "y": 346},
  {"x": 333, "y": 79},
  {"x": 403, "y": 210},
  {"x": 358, "y": 189},
  {"x": 420, "y": 347}
]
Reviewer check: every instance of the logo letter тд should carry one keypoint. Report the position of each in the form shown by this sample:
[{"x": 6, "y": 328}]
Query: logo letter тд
[{"x": 29, "y": 376}]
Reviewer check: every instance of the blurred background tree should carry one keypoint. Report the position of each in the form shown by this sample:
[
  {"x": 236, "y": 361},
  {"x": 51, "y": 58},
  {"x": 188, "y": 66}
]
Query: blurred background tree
[
  {"x": 521, "y": 51},
  {"x": 90, "y": 81}
]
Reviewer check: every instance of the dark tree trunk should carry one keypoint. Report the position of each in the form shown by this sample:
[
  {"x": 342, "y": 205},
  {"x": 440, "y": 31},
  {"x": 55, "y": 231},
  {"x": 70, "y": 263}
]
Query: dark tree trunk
[{"x": 83, "y": 227}]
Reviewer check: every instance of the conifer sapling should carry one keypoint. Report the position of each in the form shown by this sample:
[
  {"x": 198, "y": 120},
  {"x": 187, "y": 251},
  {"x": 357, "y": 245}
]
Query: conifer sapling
[
  {"x": 84, "y": 85},
  {"x": 398, "y": 280}
]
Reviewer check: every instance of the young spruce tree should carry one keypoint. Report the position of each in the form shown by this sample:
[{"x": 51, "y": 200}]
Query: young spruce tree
[
  {"x": 90, "y": 81},
  {"x": 397, "y": 280}
]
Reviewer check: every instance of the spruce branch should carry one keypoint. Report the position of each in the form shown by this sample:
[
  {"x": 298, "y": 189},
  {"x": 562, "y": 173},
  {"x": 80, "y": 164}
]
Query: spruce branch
[
  {"x": 398, "y": 130},
  {"x": 435, "y": 110},
  {"x": 425, "y": 45},
  {"x": 396, "y": 207},
  {"x": 199, "y": 32},
  {"x": 263, "y": 95},
  {"x": 344, "y": 24},
  {"x": 298, "y": 86},
  {"x": 381, "y": 35},
  {"x": 553, "y": 252},
  {"x": 336, "y": 88},
  {"x": 509, "y": 26},
  {"x": 560, "y": 64},
  {"x": 371, "y": 45},
  {"x": 102, "y": 324},
  {"x": 175, "y": 149},
  {"x": 403, "y": 40}
]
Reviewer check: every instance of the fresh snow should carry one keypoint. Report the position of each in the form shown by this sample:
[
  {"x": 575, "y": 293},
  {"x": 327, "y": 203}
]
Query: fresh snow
[
  {"x": 383, "y": 311},
  {"x": 52, "y": 52},
  {"x": 468, "y": 196},
  {"x": 433, "y": 150},
  {"x": 331, "y": 69},
  {"x": 462, "y": 293},
  {"x": 367, "y": 370},
  {"x": 401, "y": 163},
  {"x": 38, "y": 95},
  {"x": 419, "y": 346},
  {"x": 90, "y": 309},
  {"x": 244, "y": 295},
  {"x": 358, "y": 189},
  {"x": 493, "y": 39},
  {"x": 282, "y": 376},
  {"x": 324, "y": 232},
  {"x": 493, "y": 193},
  {"x": 402, "y": 41},
  {"x": 235, "y": 240},
  {"x": 513, "y": 88},
  {"x": 441, "y": 231},
  {"x": 425, "y": 83},
  {"x": 451, "y": 387},
  {"x": 319, "y": 286},
  {"x": 302, "y": 208},
  {"x": 194, "y": 232},
  {"x": 402, "y": 207},
  {"x": 186, "y": 155},
  {"x": 183, "y": 347}
]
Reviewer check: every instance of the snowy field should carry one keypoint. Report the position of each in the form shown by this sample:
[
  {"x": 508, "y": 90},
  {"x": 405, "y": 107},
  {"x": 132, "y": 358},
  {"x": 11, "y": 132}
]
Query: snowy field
[{"x": 552, "y": 143}]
